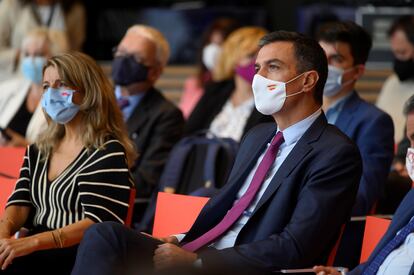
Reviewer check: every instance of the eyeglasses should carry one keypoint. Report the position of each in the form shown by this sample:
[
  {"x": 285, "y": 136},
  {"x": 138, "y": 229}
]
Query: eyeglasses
[{"x": 119, "y": 53}]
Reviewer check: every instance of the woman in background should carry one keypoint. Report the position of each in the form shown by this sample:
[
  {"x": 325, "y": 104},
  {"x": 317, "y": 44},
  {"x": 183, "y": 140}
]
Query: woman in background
[
  {"x": 227, "y": 107},
  {"x": 212, "y": 41},
  {"x": 75, "y": 175}
]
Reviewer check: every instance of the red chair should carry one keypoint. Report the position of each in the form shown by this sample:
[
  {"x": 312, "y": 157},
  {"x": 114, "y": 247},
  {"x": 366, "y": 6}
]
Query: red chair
[
  {"x": 176, "y": 214},
  {"x": 6, "y": 188},
  {"x": 128, "y": 219},
  {"x": 375, "y": 228},
  {"x": 11, "y": 159}
]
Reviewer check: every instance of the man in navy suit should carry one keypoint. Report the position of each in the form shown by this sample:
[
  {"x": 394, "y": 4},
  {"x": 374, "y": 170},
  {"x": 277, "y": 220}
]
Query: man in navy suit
[
  {"x": 347, "y": 47},
  {"x": 291, "y": 188},
  {"x": 400, "y": 259}
]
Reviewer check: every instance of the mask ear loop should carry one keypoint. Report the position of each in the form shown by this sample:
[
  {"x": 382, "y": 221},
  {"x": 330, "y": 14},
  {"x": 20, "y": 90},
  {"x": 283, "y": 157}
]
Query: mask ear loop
[
  {"x": 349, "y": 81},
  {"x": 293, "y": 79}
]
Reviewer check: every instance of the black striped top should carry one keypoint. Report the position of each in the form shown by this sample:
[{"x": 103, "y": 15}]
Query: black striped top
[{"x": 95, "y": 185}]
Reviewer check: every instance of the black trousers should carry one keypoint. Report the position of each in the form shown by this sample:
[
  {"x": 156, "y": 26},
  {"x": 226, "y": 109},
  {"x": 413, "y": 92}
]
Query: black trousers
[
  {"x": 110, "y": 248},
  {"x": 51, "y": 261}
]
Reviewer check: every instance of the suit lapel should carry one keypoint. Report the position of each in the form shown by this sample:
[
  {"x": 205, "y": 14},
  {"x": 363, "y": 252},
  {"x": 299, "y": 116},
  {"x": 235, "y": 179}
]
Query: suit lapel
[
  {"x": 251, "y": 159},
  {"x": 140, "y": 114},
  {"x": 218, "y": 205},
  {"x": 348, "y": 112},
  {"x": 244, "y": 169},
  {"x": 301, "y": 149}
]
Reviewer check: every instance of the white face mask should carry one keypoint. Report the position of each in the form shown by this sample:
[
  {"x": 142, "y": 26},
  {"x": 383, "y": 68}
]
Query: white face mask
[
  {"x": 409, "y": 162},
  {"x": 334, "y": 81},
  {"x": 210, "y": 55},
  {"x": 270, "y": 95}
]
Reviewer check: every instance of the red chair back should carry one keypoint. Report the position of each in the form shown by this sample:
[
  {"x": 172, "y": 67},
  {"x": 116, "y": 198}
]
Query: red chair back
[
  {"x": 176, "y": 214},
  {"x": 375, "y": 228},
  {"x": 11, "y": 159}
]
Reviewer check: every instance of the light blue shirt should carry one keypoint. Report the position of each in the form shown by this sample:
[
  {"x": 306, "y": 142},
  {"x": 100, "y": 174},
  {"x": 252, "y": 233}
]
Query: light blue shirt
[
  {"x": 333, "y": 111},
  {"x": 134, "y": 100},
  {"x": 292, "y": 134},
  {"x": 400, "y": 260}
]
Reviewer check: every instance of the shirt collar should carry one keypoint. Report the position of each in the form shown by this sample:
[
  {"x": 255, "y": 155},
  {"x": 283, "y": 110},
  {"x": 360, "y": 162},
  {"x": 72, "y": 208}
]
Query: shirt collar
[
  {"x": 294, "y": 132},
  {"x": 339, "y": 104},
  {"x": 133, "y": 99}
]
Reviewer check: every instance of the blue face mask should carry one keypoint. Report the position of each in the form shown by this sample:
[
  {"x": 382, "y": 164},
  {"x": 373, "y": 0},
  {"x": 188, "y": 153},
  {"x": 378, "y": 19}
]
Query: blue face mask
[
  {"x": 59, "y": 106},
  {"x": 32, "y": 68},
  {"x": 334, "y": 83}
]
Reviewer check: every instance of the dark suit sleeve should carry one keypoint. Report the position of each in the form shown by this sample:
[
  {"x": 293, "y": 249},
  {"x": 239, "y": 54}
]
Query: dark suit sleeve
[
  {"x": 376, "y": 144},
  {"x": 167, "y": 132},
  {"x": 330, "y": 183},
  {"x": 198, "y": 118}
]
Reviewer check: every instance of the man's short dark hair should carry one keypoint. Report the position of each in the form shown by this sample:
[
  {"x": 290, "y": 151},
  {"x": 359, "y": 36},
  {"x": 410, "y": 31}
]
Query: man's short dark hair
[
  {"x": 406, "y": 24},
  {"x": 351, "y": 33},
  {"x": 309, "y": 56},
  {"x": 409, "y": 106}
]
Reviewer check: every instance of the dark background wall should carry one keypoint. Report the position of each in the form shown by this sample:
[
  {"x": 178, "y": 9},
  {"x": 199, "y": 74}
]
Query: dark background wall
[{"x": 183, "y": 22}]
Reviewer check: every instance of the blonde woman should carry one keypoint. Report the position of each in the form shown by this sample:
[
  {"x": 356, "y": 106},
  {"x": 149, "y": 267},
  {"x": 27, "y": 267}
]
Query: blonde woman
[
  {"x": 74, "y": 176},
  {"x": 227, "y": 106}
]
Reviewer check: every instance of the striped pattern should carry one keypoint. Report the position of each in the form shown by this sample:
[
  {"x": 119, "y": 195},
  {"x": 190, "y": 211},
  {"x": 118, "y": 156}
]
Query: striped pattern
[{"x": 95, "y": 185}]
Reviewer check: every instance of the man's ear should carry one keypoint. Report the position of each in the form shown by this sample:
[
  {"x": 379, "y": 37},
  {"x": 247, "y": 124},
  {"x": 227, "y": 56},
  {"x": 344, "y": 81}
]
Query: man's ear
[
  {"x": 154, "y": 73},
  {"x": 310, "y": 81},
  {"x": 360, "y": 68}
]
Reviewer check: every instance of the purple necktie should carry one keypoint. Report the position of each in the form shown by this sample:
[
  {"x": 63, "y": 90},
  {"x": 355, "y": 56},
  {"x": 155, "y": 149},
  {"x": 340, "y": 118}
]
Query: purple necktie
[
  {"x": 238, "y": 208},
  {"x": 123, "y": 103}
]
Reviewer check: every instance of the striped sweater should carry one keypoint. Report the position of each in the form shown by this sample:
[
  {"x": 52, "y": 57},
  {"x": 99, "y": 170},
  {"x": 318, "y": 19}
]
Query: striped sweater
[{"x": 95, "y": 185}]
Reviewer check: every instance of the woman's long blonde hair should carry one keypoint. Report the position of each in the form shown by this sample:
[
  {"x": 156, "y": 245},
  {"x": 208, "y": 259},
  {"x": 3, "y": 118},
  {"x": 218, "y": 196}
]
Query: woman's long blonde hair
[
  {"x": 238, "y": 44},
  {"x": 101, "y": 117}
]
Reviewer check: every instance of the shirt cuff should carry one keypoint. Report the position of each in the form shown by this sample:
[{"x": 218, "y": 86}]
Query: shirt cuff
[{"x": 179, "y": 237}]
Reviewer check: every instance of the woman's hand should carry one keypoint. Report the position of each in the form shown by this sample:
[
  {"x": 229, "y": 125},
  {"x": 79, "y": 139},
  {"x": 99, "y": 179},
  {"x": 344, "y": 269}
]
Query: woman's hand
[
  {"x": 12, "y": 248},
  {"x": 16, "y": 139},
  {"x": 3, "y": 140},
  {"x": 9, "y": 137}
]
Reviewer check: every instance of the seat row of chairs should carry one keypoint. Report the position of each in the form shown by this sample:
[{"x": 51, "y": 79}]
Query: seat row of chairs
[{"x": 174, "y": 213}]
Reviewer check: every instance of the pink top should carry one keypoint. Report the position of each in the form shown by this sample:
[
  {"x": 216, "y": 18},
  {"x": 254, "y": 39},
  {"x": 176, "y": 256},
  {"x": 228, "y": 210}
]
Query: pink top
[{"x": 191, "y": 95}]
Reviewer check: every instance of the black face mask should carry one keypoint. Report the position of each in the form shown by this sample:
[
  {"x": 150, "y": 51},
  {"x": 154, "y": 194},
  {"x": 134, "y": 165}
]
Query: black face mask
[
  {"x": 404, "y": 69},
  {"x": 126, "y": 70}
]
